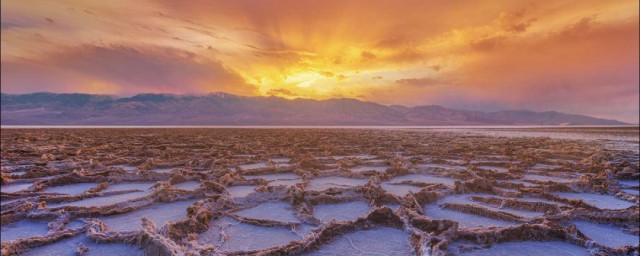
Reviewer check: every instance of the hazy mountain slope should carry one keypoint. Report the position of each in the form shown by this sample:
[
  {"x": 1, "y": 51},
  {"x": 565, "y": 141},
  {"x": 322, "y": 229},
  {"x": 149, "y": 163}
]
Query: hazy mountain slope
[{"x": 228, "y": 109}]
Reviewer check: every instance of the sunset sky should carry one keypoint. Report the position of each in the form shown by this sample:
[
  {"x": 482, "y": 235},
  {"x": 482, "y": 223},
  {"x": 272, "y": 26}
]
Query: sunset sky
[{"x": 575, "y": 56}]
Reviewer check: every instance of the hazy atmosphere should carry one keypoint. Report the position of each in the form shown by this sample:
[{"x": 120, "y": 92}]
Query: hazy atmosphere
[{"x": 576, "y": 57}]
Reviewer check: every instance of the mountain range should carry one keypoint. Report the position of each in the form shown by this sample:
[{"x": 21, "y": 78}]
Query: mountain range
[{"x": 229, "y": 109}]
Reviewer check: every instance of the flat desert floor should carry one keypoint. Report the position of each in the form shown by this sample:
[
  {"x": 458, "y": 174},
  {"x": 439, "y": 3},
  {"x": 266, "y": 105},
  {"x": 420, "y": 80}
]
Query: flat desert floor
[{"x": 240, "y": 191}]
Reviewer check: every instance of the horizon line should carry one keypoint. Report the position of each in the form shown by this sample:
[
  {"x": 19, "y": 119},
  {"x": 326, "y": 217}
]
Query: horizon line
[{"x": 318, "y": 126}]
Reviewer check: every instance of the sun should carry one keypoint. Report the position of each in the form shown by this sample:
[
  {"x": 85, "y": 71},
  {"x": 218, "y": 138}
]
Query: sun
[{"x": 303, "y": 80}]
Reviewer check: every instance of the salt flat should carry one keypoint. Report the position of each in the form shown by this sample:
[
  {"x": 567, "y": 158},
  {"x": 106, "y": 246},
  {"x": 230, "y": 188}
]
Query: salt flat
[{"x": 358, "y": 191}]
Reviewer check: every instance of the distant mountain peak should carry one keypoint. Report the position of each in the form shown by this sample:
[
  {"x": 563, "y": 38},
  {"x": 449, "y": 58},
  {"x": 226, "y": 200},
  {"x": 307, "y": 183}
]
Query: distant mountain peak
[
  {"x": 220, "y": 108},
  {"x": 222, "y": 94}
]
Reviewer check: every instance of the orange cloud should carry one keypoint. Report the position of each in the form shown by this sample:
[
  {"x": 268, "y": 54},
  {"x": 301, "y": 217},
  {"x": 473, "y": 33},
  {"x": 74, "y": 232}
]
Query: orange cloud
[{"x": 127, "y": 70}]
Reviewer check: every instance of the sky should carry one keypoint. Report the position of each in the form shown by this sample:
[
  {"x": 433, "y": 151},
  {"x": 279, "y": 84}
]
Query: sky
[{"x": 574, "y": 56}]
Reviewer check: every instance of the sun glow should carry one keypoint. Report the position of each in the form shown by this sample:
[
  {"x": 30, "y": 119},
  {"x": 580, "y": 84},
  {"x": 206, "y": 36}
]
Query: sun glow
[{"x": 303, "y": 79}]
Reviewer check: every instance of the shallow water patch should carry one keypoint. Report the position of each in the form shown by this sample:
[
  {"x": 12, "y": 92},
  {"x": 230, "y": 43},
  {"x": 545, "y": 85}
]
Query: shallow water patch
[
  {"x": 362, "y": 157},
  {"x": 466, "y": 199},
  {"x": 347, "y": 211},
  {"x": 544, "y": 167},
  {"x": 359, "y": 169},
  {"x": 241, "y": 191},
  {"x": 230, "y": 235},
  {"x": 278, "y": 211},
  {"x": 464, "y": 220},
  {"x": 70, "y": 189},
  {"x": 280, "y": 159},
  {"x": 607, "y": 235},
  {"x": 14, "y": 187},
  {"x": 376, "y": 241},
  {"x": 104, "y": 200},
  {"x": 23, "y": 229},
  {"x": 67, "y": 247},
  {"x": 597, "y": 200},
  {"x": 123, "y": 186},
  {"x": 322, "y": 183},
  {"x": 160, "y": 213},
  {"x": 127, "y": 168},
  {"x": 277, "y": 179},
  {"x": 532, "y": 248},
  {"x": 629, "y": 183},
  {"x": 631, "y": 191},
  {"x": 163, "y": 170},
  {"x": 399, "y": 190},
  {"x": 544, "y": 178}
]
